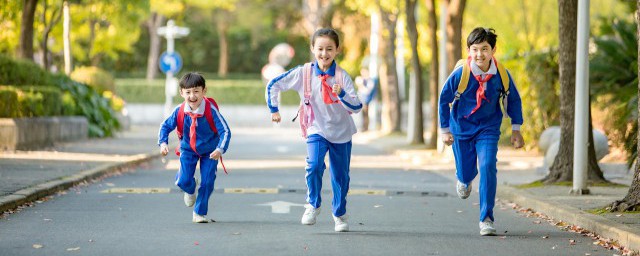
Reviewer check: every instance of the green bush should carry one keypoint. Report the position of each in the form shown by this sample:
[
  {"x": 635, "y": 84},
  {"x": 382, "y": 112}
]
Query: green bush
[
  {"x": 8, "y": 101},
  {"x": 40, "y": 101},
  {"x": 21, "y": 72},
  {"x": 93, "y": 76},
  {"x": 225, "y": 92},
  {"x": 69, "y": 107}
]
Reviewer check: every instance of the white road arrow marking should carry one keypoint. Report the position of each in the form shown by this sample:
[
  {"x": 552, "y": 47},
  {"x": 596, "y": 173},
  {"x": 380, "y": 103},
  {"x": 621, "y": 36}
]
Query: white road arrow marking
[{"x": 281, "y": 206}]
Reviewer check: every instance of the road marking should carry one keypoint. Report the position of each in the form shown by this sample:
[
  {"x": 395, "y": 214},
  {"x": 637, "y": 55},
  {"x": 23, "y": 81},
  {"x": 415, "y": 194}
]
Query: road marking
[
  {"x": 251, "y": 191},
  {"x": 281, "y": 206},
  {"x": 371, "y": 192},
  {"x": 137, "y": 190}
]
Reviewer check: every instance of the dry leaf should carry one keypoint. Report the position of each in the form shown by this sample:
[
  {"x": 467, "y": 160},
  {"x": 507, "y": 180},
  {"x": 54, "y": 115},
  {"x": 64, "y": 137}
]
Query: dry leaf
[
  {"x": 459, "y": 211},
  {"x": 37, "y": 246},
  {"x": 572, "y": 242},
  {"x": 73, "y": 249},
  {"x": 618, "y": 215},
  {"x": 236, "y": 233},
  {"x": 377, "y": 206},
  {"x": 537, "y": 222},
  {"x": 196, "y": 243},
  {"x": 545, "y": 237}
]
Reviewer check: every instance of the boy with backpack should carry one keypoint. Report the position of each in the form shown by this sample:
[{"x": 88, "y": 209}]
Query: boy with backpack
[
  {"x": 204, "y": 136},
  {"x": 472, "y": 122}
]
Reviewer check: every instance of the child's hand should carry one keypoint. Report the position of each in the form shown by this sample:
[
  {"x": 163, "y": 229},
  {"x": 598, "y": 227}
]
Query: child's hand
[
  {"x": 447, "y": 138},
  {"x": 215, "y": 155},
  {"x": 164, "y": 149},
  {"x": 337, "y": 89},
  {"x": 516, "y": 139},
  {"x": 275, "y": 117}
]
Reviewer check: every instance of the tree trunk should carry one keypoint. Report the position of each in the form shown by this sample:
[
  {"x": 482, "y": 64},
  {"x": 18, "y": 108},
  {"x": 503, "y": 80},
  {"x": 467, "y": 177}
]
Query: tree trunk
[
  {"x": 562, "y": 167},
  {"x": 415, "y": 96},
  {"x": 25, "y": 48},
  {"x": 68, "y": 65},
  {"x": 155, "y": 21},
  {"x": 594, "y": 173},
  {"x": 631, "y": 202},
  {"x": 55, "y": 18},
  {"x": 222, "y": 27},
  {"x": 432, "y": 142},
  {"x": 455, "y": 9},
  {"x": 389, "y": 82}
]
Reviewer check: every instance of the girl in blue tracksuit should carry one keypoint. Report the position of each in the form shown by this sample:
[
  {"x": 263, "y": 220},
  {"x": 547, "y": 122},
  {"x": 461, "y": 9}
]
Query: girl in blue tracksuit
[
  {"x": 472, "y": 125},
  {"x": 199, "y": 142},
  {"x": 331, "y": 128}
]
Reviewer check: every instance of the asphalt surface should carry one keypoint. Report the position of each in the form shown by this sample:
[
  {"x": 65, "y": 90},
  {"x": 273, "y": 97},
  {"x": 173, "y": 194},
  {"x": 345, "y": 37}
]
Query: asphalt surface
[{"x": 394, "y": 209}]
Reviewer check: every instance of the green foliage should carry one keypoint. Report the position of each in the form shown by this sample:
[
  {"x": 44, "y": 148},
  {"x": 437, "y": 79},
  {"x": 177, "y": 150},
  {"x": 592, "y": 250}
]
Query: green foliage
[
  {"x": 55, "y": 94},
  {"x": 225, "y": 92},
  {"x": 8, "y": 101},
  {"x": 540, "y": 94},
  {"x": 40, "y": 101},
  {"x": 614, "y": 77},
  {"x": 21, "y": 72},
  {"x": 95, "y": 77}
]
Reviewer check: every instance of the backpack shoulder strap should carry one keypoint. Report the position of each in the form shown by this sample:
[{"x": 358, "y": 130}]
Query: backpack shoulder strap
[
  {"x": 208, "y": 113},
  {"x": 306, "y": 80},
  {"x": 503, "y": 75},
  {"x": 464, "y": 80},
  {"x": 339, "y": 75},
  {"x": 180, "y": 121}
]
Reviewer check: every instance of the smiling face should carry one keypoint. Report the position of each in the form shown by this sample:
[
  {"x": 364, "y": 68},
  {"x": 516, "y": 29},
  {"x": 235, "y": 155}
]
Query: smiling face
[
  {"x": 481, "y": 54},
  {"x": 324, "y": 50},
  {"x": 193, "y": 96}
]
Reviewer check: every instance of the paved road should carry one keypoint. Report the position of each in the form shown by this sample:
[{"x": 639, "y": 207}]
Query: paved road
[{"x": 394, "y": 210}]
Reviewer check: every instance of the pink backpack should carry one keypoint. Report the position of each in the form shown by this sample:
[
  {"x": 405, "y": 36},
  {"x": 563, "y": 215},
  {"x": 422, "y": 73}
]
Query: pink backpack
[{"x": 306, "y": 112}]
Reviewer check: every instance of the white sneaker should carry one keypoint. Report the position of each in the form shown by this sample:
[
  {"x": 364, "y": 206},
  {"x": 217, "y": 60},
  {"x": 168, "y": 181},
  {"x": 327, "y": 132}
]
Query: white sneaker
[
  {"x": 310, "y": 214},
  {"x": 486, "y": 228},
  {"x": 190, "y": 199},
  {"x": 341, "y": 223},
  {"x": 197, "y": 218},
  {"x": 463, "y": 190}
]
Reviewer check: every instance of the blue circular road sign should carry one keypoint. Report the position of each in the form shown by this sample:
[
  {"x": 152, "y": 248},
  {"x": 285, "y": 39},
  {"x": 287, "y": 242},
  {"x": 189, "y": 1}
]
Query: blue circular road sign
[{"x": 170, "y": 62}]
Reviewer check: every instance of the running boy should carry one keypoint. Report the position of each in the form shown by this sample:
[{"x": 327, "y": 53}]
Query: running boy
[
  {"x": 472, "y": 125},
  {"x": 329, "y": 99},
  {"x": 205, "y": 138}
]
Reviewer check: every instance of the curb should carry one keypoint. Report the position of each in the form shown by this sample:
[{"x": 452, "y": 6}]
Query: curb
[
  {"x": 37, "y": 191},
  {"x": 625, "y": 235}
]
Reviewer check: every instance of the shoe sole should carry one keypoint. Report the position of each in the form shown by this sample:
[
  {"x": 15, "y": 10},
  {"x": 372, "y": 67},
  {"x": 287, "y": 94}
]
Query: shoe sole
[{"x": 488, "y": 233}]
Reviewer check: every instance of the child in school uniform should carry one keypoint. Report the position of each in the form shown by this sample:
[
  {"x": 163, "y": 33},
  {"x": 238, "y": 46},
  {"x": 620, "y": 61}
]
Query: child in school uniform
[
  {"x": 473, "y": 122},
  {"x": 205, "y": 137},
  {"x": 328, "y": 125}
]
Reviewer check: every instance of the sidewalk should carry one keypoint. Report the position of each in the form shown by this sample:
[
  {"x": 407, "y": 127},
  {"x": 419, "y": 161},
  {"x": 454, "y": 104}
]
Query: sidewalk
[
  {"x": 517, "y": 167},
  {"x": 26, "y": 176}
]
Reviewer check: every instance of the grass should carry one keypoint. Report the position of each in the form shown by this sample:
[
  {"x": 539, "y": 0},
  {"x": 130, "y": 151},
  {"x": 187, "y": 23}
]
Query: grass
[{"x": 604, "y": 210}]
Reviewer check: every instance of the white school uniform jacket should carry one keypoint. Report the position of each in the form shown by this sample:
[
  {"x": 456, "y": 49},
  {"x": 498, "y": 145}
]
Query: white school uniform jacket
[{"x": 332, "y": 121}]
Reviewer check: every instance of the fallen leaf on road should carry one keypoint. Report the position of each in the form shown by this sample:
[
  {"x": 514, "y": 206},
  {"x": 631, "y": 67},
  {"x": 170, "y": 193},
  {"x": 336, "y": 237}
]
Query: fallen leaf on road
[
  {"x": 377, "y": 206},
  {"x": 537, "y": 222},
  {"x": 236, "y": 233},
  {"x": 91, "y": 241},
  {"x": 110, "y": 184},
  {"x": 572, "y": 242},
  {"x": 554, "y": 247},
  {"x": 503, "y": 237},
  {"x": 37, "y": 246},
  {"x": 459, "y": 211},
  {"x": 47, "y": 219},
  {"x": 73, "y": 249},
  {"x": 196, "y": 243},
  {"x": 476, "y": 203},
  {"x": 618, "y": 215},
  {"x": 545, "y": 237}
]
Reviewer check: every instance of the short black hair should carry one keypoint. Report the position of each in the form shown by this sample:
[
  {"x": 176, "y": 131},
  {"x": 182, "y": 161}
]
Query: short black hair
[
  {"x": 192, "y": 80},
  {"x": 480, "y": 34},
  {"x": 328, "y": 32}
]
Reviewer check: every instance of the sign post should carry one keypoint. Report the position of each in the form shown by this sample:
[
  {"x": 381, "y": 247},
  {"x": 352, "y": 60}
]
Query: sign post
[{"x": 171, "y": 62}]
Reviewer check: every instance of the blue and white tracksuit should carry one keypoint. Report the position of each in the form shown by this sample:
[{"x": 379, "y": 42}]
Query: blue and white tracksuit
[
  {"x": 330, "y": 131},
  {"x": 206, "y": 143},
  {"x": 476, "y": 136}
]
